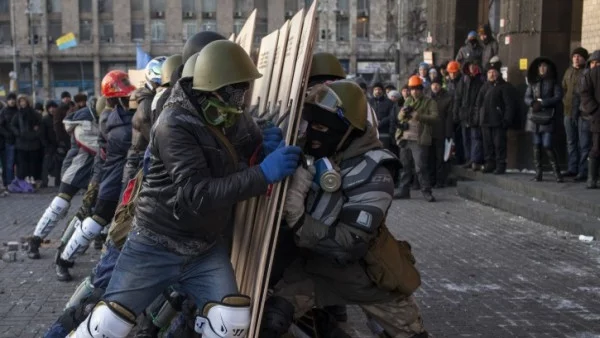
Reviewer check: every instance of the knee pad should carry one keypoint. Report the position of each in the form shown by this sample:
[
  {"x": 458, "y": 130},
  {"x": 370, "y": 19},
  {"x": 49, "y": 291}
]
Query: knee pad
[
  {"x": 54, "y": 213},
  {"x": 227, "y": 319},
  {"x": 83, "y": 291},
  {"x": 81, "y": 238},
  {"x": 278, "y": 315},
  {"x": 106, "y": 320}
]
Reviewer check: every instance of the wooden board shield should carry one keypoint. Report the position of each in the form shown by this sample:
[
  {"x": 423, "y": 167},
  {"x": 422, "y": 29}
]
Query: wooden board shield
[
  {"x": 137, "y": 77},
  {"x": 265, "y": 64},
  {"x": 246, "y": 36},
  {"x": 232, "y": 37},
  {"x": 278, "y": 66}
]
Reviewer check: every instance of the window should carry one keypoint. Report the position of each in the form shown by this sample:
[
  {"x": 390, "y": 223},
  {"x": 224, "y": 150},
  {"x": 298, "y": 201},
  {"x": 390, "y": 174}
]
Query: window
[
  {"x": 157, "y": 5},
  {"x": 4, "y": 6},
  {"x": 362, "y": 6},
  {"x": 189, "y": 29},
  {"x": 307, "y": 3},
  {"x": 343, "y": 5},
  {"x": 239, "y": 6},
  {"x": 342, "y": 28},
  {"x": 362, "y": 28},
  {"x": 54, "y": 30},
  {"x": 209, "y": 6},
  {"x": 105, "y": 6},
  {"x": 188, "y": 6},
  {"x": 158, "y": 30},
  {"x": 237, "y": 25},
  {"x": 85, "y": 6},
  {"x": 107, "y": 32},
  {"x": 209, "y": 25},
  {"x": 392, "y": 30},
  {"x": 137, "y": 5},
  {"x": 85, "y": 31},
  {"x": 54, "y": 6},
  {"x": 261, "y": 29},
  {"x": 137, "y": 31},
  {"x": 5, "y": 33},
  {"x": 291, "y": 6}
]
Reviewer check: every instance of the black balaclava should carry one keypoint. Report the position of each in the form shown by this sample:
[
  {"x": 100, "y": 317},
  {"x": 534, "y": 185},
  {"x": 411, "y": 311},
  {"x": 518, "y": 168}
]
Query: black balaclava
[{"x": 330, "y": 140}]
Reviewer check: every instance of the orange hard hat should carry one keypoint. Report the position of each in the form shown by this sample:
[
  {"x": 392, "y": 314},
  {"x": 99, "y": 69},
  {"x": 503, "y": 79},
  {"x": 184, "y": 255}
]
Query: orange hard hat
[
  {"x": 116, "y": 84},
  {"x": 415, "y": 81},
  {"x": 453, "y": 67}
]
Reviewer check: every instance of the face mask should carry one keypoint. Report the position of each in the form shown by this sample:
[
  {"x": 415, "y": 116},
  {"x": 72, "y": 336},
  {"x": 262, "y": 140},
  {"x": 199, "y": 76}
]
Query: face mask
[
  {"x": 218, "y": 114},
  {"x": 233, "y": 95},
  {"x": 329, "y": 141}
]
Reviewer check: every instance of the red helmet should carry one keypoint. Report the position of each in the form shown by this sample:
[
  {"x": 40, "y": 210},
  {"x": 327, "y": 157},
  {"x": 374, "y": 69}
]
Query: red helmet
[{"x": 116, "y": 84}]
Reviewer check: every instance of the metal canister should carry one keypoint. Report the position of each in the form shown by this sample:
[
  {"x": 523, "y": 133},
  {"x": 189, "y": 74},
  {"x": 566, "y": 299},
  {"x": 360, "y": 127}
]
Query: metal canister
[{"x": 326, "y": 176}]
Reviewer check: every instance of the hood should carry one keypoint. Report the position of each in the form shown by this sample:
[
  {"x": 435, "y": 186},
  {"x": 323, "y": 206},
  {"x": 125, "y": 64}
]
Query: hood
[
  {"x": 23, "y": 96},
  {"x": 465, "y": 68},
  {"x": 595, "y": 56},
  {"x": 487, "y": 30},
  {"x": 532, "y": 71},
  {"x": 179, "y": 96},
  {"x": 142, "y": 94},
  {"x": 361, "y": 145},
  {"x": 83, "y": 114}
]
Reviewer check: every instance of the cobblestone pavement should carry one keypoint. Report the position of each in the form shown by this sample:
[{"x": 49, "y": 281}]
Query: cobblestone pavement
[{"x": 485, "y": 273}]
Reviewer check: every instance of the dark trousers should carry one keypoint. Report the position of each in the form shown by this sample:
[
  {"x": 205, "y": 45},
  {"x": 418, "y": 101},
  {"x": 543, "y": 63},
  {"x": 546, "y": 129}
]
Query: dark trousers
[
  {"x": 29, "y": 163},
  {"x": 494, "y": 145},
  {"x": 414, "y": 158},
  {"x": 459, "y": 152},
  {"x": 3, "y": 165},
  {"x": 438, "y": 168},
  {"x": 595, "y": 151},
  {"x": 50, "y": 167}
]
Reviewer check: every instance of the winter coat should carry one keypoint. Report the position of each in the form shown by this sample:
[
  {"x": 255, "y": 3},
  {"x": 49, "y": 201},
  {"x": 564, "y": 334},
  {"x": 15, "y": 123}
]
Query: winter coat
[
  {"x": 62, "y": 137},
  {"x": 490, "y": 47},
  {"x": 6, "y": 116},
  {"x": 444, "y": 126},
  {"x": 497, "y": 104},
  {"x": 385, "y": 111},
  {"x": 590, "y": 98},
  {"x": 193, "y": 182},
  {"x": 26, "y": 126},
  {"x": 470, "y": 52},
  {"x": 175, "y": 76},
  {"x": 47, "y": 135},
  {"x": 427, "y": 117},
  {"x": 465, "y": 99},
  {"x": 100, "y": 157},
  {"x": 141, "y": 123},
  {"x": 570, "y": 89},
  {"x": 547, "y": 89}
]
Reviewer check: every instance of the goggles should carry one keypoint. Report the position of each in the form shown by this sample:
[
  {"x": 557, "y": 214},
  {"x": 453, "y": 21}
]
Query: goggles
[{"x": 325, "y": 98}]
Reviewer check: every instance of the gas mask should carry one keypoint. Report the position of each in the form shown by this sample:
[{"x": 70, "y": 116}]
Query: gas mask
[
  {"x": 327, "y": 174},
  {"x": 224, "y": 108}
]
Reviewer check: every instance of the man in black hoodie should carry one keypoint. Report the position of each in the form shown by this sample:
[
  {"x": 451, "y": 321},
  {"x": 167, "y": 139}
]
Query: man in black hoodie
[
  {"x": 8, "y": 155},
  {"x": 48, "y": 137},
  {"x": 490, "y": 45},
  {"x": 385, "y": 110}
]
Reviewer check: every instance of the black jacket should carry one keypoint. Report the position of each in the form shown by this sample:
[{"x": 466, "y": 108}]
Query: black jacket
[
  {"x": 385, "y": 110},
  {"x": 465, "y": 98},
  {"x": 470, "y": 52},
  {"x": 26, "y": 126},
  {"x": 490, "y": 47},
  {"x": 6, "y": 116},
  {"x": 193, "y": 183},
  {"x": 590, "y": 98},
  {"x": 47, "y": 134},
  {"x": 497, "y": 104},
  {"x": 444, "y": 126},
  {"x": 548, "y": 89}
]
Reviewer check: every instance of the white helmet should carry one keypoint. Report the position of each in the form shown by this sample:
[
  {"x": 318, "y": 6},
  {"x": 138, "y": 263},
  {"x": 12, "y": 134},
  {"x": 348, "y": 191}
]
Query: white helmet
[{"x": 152, "y": 70}]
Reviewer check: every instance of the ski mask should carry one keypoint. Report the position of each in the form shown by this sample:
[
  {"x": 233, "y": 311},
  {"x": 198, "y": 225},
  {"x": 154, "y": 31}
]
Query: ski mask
[{"x": 330, "y": 139}]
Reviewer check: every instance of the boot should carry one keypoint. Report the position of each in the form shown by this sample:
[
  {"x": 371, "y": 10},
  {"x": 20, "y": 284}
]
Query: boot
[
  {"x": 592, "y": 179},
  {"x": 537, "y": 163},
  {"x": 34, "y": 247},
  {"x": 554, "y": 163},
  {"x": 62, "y": 271},
  {"x": 428, "y": 196},
  {"x": 338, "y": 312},
  {"x": 580, "y": 177},
  {"x": 147, "y": 328},
  {"x": 500, "y": 169},
  {"x": 476, "y": 167},
  {"x": 489, "y": 167},
  {"x": 467, "y": 165},
  {"x": 402, "y": 194}
]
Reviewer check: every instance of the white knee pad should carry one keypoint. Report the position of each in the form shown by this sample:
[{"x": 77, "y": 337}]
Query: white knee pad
[
  {"x": 81, "y": 238},
  {"x": 228, "y": 319},
  {"x": 83, "y": 291},
  {"x": 54, "y": 213},
  {"x": 106, "y": 320}
]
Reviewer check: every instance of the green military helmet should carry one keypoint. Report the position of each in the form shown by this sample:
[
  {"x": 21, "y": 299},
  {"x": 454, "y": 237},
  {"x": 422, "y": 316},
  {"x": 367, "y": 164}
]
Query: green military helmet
[
  {"x": 354, "y": 102},
  {"x": 100, "y": 104},
  {"x": 326, "y": 64},
  {"x": 190, "y": 64},
  {"x": 223, "y": 63},
  {"x": 168, "y": 67}
]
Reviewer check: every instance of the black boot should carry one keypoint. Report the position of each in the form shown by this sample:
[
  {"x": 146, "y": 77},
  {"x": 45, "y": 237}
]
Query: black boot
[
  {"x": 99, "y": 241},
  {"x": 537, "y": 163},
  {"x": 147, "y": 328},
  {"x": 402, "y": 194},
  {"x": 592, "y": 180},
  {"x": 552, "y": 157},
  {"x": 428, "y": 196},
  {"x": 278, "y": 316},
  {"x": 338, "y": 312},
  {"x": 34, "y": 247},
  {"x": 500, "y": 169},
  {"x": 62, "y": 270},
  {"x": 489, "y": 167}
]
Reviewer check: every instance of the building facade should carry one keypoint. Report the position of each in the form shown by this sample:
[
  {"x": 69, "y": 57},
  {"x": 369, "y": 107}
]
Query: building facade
[{"x": 362, "y": 33}]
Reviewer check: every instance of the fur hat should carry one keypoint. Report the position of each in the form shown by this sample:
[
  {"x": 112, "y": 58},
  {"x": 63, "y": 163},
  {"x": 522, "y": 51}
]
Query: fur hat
[{"x": 581, "y": 52}]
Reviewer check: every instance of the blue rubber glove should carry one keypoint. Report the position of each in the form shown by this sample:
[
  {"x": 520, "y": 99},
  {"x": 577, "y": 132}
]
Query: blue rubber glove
[
  {"x": 272, "y": 136},
  {"x": 281, "y": 163}
]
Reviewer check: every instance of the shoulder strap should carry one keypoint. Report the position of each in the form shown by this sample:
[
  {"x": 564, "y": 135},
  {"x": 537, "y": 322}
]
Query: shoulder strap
[{"x": 230, "y": 149}]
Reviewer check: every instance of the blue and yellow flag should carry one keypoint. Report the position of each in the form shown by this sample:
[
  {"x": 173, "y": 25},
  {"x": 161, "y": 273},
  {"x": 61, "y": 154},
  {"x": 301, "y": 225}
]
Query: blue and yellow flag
[{"x": 66, "y": 41}]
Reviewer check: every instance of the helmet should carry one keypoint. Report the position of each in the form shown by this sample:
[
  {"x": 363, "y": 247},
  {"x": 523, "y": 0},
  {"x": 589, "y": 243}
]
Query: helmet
[
  {"x": 116, "y": 84},
  {"x": 198, "y": 41},
  {"x": 153, "y": 68},
  {"x": 100, "y": 104},
  {"x": 344, "y": 94},
  {"x": 190, "y": 64},
  {"x": 415, "y": 81},
  {"x": 168, "y": 67},
  {"x": 326, "y": 64},
  {"x": 453, "y": 67},
  {"x": 223, "y": 63}
]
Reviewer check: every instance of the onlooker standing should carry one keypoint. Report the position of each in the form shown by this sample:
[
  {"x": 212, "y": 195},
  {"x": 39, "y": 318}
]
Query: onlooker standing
[
  {"x": 471, "y": 51},
  {"x": 8, "y": 156},
  {"x": 443, "y": 129},
  {"x": 497, "y": 105},
  {"x": 48, "y": 138},
  {"x": 490, "y": 45},
  {"x": 424, "y": 74},
  {"x": 62, "y": 137},
  {"x": 453, "y": 79},
  {"x": 543, "y": 97},
  {"x": 590, "y": 111},
  {"x": 385, "y": 111},
  {"x": 26, "y": 127},
  {"x": 466, "y": 113},
  {"x": 577, "y": 150}
]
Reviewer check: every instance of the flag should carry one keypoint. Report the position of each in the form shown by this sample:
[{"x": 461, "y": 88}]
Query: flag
[
  {"x": 66, "y": 41},
  {"x": 142, "y": 58}
]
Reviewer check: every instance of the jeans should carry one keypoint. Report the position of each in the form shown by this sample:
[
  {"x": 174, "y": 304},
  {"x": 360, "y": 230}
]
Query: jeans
[
  {"x": 8, "y": 164},
  {"x": 544, "y": 139},
  {"x": 572, "y": 133},
  {"x": 414, "y": 158},
  {"x": 476, "y": 145},
  {"x": 145, "y": 268},
  {"x": 103, "y": 270},
  {"x": 585, "y": 144}
]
